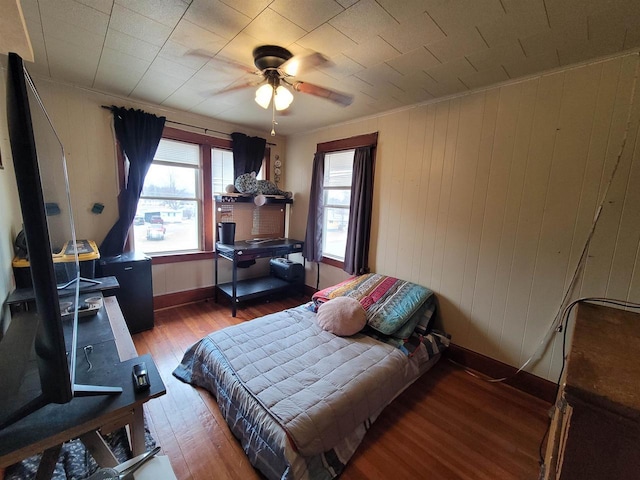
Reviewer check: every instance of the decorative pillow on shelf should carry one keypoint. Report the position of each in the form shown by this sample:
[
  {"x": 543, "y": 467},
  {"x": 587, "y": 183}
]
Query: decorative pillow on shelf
[{"x": 342, "y": 316}]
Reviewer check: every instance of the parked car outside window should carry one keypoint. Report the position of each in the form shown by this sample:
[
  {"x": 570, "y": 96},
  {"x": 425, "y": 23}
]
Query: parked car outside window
[{"x": 155, "y": 231}]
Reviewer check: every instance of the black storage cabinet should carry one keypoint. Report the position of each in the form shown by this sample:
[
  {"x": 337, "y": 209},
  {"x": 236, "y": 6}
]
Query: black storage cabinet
[{"x": 135, "y": 295}]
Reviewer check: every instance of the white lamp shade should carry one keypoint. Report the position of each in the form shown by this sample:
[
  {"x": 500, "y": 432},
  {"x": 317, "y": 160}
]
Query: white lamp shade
[
  {"x": 263, "y": 95},
  {"x": 283, "y": 98}
]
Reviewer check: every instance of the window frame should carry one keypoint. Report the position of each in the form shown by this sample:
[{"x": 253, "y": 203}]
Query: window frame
[
  {"x": 205, "y": 143},
  {"x": 326, "y": 188},
  {"x": 196, "y": 167},
  {"x": 335, "y": 146}
]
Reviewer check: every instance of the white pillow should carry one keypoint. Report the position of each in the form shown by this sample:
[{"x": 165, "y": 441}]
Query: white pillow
[{"x": 342, "y": 316}]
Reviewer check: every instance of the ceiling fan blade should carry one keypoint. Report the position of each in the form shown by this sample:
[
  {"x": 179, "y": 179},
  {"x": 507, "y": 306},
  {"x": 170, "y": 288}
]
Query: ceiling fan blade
[
  {"x": 302, "y": 63},
  {"x": 199, "y": 52},
  {"x": 233, "y": 88},
  {"x": 340, "y": 98}
]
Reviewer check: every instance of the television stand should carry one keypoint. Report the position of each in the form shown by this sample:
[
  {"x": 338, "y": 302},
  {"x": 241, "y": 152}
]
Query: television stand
[
  {"x": 86, "y": 418},
  {"x": 94, "y": 390}
]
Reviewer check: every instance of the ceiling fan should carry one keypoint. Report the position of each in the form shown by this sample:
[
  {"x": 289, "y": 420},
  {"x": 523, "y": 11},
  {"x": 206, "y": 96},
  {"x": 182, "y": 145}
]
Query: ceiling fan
[{"x": 278, "y": 66}]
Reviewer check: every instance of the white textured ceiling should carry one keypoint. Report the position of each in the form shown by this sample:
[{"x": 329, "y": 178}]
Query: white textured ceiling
[{"x": 387, "y": 53}]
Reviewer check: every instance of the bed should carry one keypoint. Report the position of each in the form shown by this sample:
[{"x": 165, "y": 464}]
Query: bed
[{"x": 300, "y": 398}]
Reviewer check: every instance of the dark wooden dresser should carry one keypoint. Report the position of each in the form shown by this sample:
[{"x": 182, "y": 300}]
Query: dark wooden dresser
[{"x": 595, "y": 430}]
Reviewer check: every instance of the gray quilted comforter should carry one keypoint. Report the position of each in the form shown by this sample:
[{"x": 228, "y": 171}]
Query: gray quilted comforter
[
  {"x": 319, "y": 387},
  {"x": 284, "y": 386}
]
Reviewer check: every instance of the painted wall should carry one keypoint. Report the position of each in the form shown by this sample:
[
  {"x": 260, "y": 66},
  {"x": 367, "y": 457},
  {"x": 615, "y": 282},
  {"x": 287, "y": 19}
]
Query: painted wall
[
  {"x": 489, "y": 198},
  {"x": 86, "y": 132}
]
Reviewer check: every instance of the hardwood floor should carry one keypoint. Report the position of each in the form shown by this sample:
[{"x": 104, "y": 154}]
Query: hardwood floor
[{"x": 447, "y": 425}]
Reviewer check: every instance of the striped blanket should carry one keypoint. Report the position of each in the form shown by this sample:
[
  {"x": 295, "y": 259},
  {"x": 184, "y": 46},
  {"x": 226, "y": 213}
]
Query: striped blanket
[
  {"x": 399, "y": 313},
  {"x": 388, "y": 301}
]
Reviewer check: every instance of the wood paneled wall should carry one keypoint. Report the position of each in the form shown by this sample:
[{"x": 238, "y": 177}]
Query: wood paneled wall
[
  {"x": 488, "y": 199},
  {"x": 485, "y": 198}
]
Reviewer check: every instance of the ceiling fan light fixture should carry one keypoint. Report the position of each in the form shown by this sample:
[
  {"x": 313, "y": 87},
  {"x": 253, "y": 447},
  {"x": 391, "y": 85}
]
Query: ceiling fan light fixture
[
  {"x": 283, "y": 98},
  {"x": 263, "y": 95},
  {"x": 292, "y": 67}
]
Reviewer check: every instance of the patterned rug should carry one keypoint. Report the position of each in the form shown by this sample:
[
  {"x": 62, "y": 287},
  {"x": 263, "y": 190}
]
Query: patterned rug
[{"x": 75, "y": 462}]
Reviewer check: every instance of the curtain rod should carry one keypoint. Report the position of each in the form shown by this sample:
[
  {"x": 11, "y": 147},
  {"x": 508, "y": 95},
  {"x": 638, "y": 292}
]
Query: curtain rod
[{"x": 195, "y": 126}]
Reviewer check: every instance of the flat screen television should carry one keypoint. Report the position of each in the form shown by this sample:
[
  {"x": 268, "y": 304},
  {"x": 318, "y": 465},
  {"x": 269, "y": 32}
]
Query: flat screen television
[{"x": 46, "y": 373}]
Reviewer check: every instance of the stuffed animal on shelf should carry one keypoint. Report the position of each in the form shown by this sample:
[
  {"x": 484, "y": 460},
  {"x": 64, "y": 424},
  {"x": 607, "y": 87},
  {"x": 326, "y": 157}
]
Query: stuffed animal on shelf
[{"x": 248, "y": 183}]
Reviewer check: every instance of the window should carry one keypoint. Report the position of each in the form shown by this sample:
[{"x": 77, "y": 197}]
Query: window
[
  {"x": 169, "y": 211},
  {"x": 338, "y": 168},
  {"x": 175, "y": 213},
  {"x": 221, "y": 169},
  {"x": 338, "y": 229}
]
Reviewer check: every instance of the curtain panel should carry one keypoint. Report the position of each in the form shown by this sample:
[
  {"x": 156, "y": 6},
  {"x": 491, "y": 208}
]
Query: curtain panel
[
  {"x": 356, "y": 257},
  {"x": 138, "y": 134},
  {"x": 312, "y": 249},
  {"x": 248, "y": 153}
]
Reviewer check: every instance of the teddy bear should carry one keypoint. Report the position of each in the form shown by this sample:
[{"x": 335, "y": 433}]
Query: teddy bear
[{"x": 247, "y": 183}]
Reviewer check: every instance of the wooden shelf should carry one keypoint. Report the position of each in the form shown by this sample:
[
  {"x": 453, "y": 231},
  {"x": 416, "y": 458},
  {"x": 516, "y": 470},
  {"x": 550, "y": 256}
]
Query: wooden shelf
[
  {"x": 249, "y": 199},
  {"x": 257, "y": 287}
]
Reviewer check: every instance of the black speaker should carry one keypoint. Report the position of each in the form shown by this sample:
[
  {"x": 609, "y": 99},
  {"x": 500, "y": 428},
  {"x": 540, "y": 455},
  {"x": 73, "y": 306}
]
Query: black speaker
[{"x": 286, "y": 270}]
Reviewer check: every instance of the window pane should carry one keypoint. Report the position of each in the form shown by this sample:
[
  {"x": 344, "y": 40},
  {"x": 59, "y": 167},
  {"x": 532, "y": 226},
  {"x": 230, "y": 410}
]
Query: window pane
[
  {"x": 170, "y": 181},
  {"x": 166, "y": 226},
  {"x": 337, "y": 169},
  {"x": 178, "y": 152},
  {"x": 221, "y": 169},
  {"x": 334, "y": 237},
  {"x": 338, "y": 197}
]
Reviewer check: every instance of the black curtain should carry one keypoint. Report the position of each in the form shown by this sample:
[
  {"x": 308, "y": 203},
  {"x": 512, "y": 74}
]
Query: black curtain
[
  {"x": 356, "y": 257},
  {"x": 248, "y": 153},
  {"x": 138, "y": 134},
  {"x": 312, "y": 249}
]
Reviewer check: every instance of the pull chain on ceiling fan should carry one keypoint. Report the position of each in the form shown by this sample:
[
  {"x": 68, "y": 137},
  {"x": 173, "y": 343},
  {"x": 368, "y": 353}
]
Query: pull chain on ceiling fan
[{"x": 273, "y": 118}]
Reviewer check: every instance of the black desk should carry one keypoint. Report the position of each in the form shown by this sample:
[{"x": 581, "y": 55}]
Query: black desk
[
  {"x": 113, "y": 357},
  {"x": 238, "y": 291}
]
